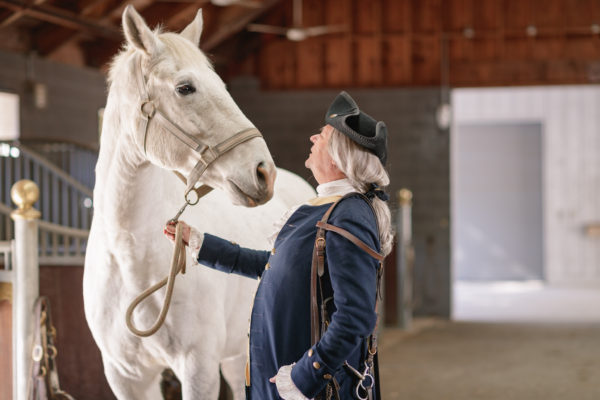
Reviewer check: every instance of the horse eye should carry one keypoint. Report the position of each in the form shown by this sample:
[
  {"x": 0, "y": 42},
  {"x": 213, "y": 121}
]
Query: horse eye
[{"x": 186, "y": 89}]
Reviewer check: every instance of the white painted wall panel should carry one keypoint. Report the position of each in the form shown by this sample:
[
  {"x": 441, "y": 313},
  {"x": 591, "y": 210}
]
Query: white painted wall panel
[{"x": 570, "y": 116}]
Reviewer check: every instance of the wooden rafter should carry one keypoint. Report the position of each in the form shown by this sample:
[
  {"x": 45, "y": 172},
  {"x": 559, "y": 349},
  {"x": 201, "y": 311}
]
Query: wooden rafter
[
  {"x": 16, "y": 15},
  {"x": 236, "y": 24},
  {"x": 53, "y": 38},
  {"x": 230, "y": 21},
  {"x": 63, "y": 18}
]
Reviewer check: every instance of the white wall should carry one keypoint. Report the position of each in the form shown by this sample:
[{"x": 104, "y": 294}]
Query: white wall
[
  {"x": 9, "y": 116},
  {"x": 570, "y": 117}
]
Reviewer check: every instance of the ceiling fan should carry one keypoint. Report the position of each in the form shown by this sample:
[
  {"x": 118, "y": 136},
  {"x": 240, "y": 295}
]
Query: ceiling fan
[
  {"x": 221, "y": 3},
  {"x": 297, "y": 32}
]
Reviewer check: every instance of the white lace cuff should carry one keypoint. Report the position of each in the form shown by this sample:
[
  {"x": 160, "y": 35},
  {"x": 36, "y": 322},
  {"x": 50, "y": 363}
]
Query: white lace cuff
[
  {"x": 285, "y": 386},
  {"x": 195, "y": 243}
]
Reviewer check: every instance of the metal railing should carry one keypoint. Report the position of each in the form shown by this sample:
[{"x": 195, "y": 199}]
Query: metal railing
[
  {"x": 63, "y": 200},
  {"x": 58, "y": 245},
  {"x": 77, "y": 160}
]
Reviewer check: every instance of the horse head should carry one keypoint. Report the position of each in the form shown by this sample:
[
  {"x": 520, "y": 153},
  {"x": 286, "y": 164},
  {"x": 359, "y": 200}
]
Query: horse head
[{"x": 186, "y": 120}]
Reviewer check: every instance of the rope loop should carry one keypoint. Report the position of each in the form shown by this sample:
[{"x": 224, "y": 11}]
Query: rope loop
[{"x": 177, "y": 266}]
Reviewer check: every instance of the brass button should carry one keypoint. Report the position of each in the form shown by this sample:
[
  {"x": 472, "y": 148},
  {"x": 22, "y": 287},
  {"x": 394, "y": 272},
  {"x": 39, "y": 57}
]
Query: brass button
[
  {"x": 273, "y": 251},
  {"x": 327, "y": 376},
  {"x": 310, "y": 352},
  {"x": 267, "y": 266},
  {"x": 316, "y": 365},
  {"x": 332, "y": 115}
]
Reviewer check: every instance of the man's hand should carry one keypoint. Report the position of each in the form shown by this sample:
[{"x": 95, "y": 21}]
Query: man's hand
[{"x": 169, "y": 231}]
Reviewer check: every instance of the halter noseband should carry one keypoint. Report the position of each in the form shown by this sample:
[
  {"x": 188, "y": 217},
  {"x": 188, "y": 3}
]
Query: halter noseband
[{"x": 208, "y": 154}]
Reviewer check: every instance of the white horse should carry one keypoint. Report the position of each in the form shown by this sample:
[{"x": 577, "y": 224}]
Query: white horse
[{"x": 136, "y": 193}]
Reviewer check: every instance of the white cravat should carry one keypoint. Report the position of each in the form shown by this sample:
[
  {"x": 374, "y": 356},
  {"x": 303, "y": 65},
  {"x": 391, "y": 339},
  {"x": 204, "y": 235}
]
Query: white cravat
[{"x": 335, "y": 188}]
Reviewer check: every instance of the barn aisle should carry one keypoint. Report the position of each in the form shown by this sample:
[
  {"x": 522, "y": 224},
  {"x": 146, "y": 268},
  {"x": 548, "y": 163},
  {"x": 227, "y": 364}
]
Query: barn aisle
[{"x": 491, "y": 361}]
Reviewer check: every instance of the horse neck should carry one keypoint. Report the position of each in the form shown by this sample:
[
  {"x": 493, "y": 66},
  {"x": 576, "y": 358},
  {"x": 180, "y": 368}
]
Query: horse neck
[{"x": 121, "y": 164}]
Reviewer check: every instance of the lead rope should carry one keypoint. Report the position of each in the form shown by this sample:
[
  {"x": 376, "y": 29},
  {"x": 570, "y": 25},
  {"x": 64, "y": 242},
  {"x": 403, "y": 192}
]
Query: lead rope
[{"x": 177, "y": 266}]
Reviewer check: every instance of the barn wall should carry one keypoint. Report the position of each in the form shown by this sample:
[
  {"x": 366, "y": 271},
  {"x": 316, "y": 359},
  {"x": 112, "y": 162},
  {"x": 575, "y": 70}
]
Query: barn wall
[
  {"x": 418, "y": 159},
  {"x": 571, "y": 177},
  {"x": 74, "y": 97}
]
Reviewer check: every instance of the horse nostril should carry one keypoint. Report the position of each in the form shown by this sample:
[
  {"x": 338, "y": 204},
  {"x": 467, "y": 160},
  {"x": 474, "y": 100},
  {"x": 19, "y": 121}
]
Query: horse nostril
[
  {"x": 265, "y": 174},
  {"x": 262, "y": 173}
]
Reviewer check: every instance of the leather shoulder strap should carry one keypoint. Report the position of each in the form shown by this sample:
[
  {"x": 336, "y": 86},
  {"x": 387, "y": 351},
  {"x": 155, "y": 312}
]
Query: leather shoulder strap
[{"x": 318, "y": 259}]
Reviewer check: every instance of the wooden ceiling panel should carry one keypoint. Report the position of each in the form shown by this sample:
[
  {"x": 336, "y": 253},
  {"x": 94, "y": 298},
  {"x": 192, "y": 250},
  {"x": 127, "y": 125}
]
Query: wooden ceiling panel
[
  {"x": 426, "y": 16},
  {"x": 457, "y": 14},
  {"x": 338, "y": 61},
  {"x": 551, "y": 16},
  {"x": 313, "y": 12},
  {"x": 388, "y": 42},
  {"x": 517, "y": 49},
  {"x": 368, "y": 61},
  {"x": 488, "y": 15},
  {"x": 278, "y": 65},
  {"x": 518, "y": 14},
  {"x": 338, "y": 12},
  {"x": 367, "y": 17},
  {"x": 397, "y": 60},
  {"x": 426, "y": 57},
  {"x": 547, "y": 48},
  {"x": 487, "y": 49},
  {"x": 310, "y": 64},
  {"x": 582, "y": 13},
  {"x": 461, "y": 49},
  {"x": 397, "y": 16},
  {"x": 583, "y": 48}
]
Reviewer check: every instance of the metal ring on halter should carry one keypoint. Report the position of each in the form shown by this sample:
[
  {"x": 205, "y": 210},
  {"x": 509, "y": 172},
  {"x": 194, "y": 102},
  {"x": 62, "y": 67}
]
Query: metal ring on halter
[
  {"x": 188, "y": 200},
  {"x": 148, "y": 114}
]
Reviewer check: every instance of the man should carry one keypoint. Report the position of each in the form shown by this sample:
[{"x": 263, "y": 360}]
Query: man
[{"x": 347, "y": 159}]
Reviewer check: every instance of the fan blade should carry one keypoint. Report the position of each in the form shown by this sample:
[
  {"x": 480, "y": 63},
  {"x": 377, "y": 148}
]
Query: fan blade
[
  {"x": 249, "y": 4},
  {"x": 261, "y": 28},
  {"x": 243, "y": 3},
  {"x": 325, "y": 29}
]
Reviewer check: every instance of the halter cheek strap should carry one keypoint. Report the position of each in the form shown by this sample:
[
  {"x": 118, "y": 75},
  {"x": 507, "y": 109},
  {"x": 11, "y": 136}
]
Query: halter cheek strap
[{"x": 208, "y": 154}]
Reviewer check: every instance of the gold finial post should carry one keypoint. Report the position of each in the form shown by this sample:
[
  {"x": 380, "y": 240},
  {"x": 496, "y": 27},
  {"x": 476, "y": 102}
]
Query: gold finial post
[
  {"x": 24, "y": 194},
  {"x": 405, "y": 197}
]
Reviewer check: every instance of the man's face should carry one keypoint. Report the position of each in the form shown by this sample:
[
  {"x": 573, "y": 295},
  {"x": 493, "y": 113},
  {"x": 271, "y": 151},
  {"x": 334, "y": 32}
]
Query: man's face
[{"x": 319, "y": 161}]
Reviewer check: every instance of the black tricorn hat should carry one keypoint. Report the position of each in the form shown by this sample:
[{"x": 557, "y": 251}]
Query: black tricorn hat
[{"x": 345, "y": 116}]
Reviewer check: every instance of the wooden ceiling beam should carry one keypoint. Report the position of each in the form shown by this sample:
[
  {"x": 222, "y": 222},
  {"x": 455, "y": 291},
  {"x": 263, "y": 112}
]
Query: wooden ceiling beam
[
  {"x": 63, "y": 18},
  {"x": 230, "y": 21},
  {"x": 16, "y": 15},
  {"x": 235, "y": 24},
  {"x": 50, "y": 40}
]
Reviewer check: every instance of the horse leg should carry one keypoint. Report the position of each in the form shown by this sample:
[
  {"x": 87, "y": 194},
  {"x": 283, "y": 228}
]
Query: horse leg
[
  {"x": 233, "y": 369},
  {"x": 199, "y": 379},
  {"x": 128, "y": 387}
]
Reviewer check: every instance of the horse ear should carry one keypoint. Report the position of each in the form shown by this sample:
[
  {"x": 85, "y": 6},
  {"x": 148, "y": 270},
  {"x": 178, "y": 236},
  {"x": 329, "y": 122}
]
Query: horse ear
[
  {"x": 193, "y": 31},
  {"x": 137, "y": 32}
]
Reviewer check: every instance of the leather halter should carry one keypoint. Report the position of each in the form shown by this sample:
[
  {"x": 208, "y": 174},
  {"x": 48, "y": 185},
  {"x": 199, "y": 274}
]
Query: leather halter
[{"x": 208, "y": 154}]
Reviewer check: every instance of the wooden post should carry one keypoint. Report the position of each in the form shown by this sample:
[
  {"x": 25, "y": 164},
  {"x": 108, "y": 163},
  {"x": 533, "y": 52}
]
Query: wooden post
[
  {"x": 405, "y": 260},
  {"x": 24, "y": 194}
]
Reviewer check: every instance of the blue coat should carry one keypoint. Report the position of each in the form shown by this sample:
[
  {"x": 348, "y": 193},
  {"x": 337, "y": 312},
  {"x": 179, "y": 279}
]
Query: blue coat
[{"x": 280, "y": 322}]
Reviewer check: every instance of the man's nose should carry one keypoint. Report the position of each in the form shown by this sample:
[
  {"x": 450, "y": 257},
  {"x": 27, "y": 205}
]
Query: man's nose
[{"x": 314, "y": 138}]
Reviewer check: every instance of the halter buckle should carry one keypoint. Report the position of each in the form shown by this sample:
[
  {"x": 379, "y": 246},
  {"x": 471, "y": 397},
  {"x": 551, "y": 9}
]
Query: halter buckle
[{"x": 152, "y": 109}]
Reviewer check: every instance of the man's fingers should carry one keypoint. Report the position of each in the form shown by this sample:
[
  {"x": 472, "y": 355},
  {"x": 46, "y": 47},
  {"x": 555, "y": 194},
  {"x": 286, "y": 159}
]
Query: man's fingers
[{"x": 272, "y": 380}]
